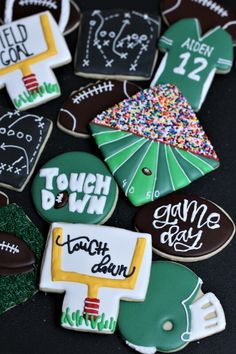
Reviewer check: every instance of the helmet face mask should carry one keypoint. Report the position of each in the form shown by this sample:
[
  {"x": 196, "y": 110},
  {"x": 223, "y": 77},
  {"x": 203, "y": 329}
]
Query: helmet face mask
[{"x": 174, "y": 313}]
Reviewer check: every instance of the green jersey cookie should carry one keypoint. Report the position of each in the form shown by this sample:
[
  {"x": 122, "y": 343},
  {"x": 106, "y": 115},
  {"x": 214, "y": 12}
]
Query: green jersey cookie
[
  {"x": 192, "y": 59},
  {"x": 75, "y": 187}
]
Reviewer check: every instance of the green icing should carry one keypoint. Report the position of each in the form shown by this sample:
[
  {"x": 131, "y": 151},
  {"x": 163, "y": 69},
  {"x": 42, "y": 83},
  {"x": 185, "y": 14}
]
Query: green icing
[
  {"x": 15, "y": 289},
  {"x": 30, "y": 97},
  {"x": 192, "y": 58},
  {"x": 80, "y": 163},
  {"x": 77, "y": 319},
  {"x": 171, "y": 168},
  {"x": 172, "y": 289}
]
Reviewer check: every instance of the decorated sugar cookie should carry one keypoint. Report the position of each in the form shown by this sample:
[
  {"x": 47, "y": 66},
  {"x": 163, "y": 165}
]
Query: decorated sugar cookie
[
  {"x": 21, "y": 246},
  {"x": 4, "y": 200},
  {"x": 83, "y": 105},
  {"x": 217, "y": 13},
  {"x": 153, "y": 144},
  {"x": 96, "y": 267},
  {"x": 29, "y": 49},
  {"x": 22, "y": 140},
  {"x": 75, "y": 187},
  {"x": 66, "y": 13},
  {"x": 117, "y": 44},
  {"x": 175, "y": 312},
  {"x": 185, "y": 228},
  {"x": 192, "y": 58}
]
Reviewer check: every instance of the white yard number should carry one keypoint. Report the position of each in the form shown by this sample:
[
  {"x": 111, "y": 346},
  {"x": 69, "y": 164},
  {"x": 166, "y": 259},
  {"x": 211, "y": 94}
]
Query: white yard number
[{"x": 193, "y": 75}]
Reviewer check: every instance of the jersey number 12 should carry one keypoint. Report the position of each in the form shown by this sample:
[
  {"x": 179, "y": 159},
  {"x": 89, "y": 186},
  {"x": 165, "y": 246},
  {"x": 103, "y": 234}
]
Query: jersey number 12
[{"x": 193, "y": 75}]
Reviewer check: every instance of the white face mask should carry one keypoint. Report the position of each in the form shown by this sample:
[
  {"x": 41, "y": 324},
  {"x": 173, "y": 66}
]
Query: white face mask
[{"x": 207, "y": 318}]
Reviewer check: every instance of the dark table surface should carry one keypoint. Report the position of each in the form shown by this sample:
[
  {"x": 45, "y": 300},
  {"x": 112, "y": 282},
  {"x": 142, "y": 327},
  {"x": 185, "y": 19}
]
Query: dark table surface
[{"x": 34, "y": 327}]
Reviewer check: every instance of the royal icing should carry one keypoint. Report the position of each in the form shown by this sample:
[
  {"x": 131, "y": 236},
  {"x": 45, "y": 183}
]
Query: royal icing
[
  {"x": 115, "y": 43},
  {"x": 86, "y": 103},
  {"x": 95, "y": 266},
  {"x": 192, "y": 59},
  {"x": 186, "y": 228},
  {"x": 21, "y": 246},
  {"x": 174, "y": 313},
  {"x": 15, "y": 255},
  {"x": 22, "y": 140},
  {"x": 156, "y": 127},
  {"x": 29, "y": 48},
  {"x": 75, "y": 187},
  {"x": 217, "y": 14}
]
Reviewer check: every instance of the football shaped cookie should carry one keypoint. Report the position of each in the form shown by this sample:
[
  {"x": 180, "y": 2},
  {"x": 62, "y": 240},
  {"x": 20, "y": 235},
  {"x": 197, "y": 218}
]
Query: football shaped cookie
[
  {"x": 185, "y": 228},
  {"x": 217, "y": 13},
  {"x": 15, "y": 255},
  {"x": 87, "y": 102},
  {"x": 66, "y": 13},
  {"x": 21, "y": 246}
]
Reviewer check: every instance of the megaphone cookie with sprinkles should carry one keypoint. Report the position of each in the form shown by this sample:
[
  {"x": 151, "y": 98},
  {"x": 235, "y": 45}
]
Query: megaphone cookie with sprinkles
[
  {"x": 153, "y": 144},
  {"x": 118, "y": 44},
  {"x": 75, "y": 187},
  {"x": 29, "y": 49}
]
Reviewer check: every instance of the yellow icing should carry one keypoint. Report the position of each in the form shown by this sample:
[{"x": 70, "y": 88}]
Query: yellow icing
[
  {"x": 24, "y": 65},
  {"x": 94, "y": 283}
]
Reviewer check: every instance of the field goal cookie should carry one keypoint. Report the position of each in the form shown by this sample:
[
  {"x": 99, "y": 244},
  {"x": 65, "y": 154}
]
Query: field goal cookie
[
  {"x": 217, "y": 13},
  {"x": 23, "y": 137},
  {"x": 75, "y": 187},
  {"x": 31, "y": 47},
  {"x": 87, "y": 102},
  {"x": 117, "y": 44},
  {"x": 95, "y": 266}
]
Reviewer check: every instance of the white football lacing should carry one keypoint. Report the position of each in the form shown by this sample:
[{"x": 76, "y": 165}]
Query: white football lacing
[
  {"x": 95, "y": 90},
  {"x": 50, "y": 4},
  {"x": 59, "y": 198},
  {"x": 9, "y": 248}
]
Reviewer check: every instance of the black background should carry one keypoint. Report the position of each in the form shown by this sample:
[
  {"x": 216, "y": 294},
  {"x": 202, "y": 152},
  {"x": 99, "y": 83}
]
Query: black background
[{"x": 34, "y": 327}]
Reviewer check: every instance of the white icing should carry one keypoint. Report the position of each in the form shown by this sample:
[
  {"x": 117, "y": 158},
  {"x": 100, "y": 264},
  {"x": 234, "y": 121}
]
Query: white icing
[
  {"x": 8, "y": 247},
  {"x": 96, "y": 205},
  {"x": 184, "y": 240},
  {"x": 77, "y": 181},
  {"x": 48, "y": 4},
  {"x": 30, "y": 34},
  {"x": 89, "y": 183},
  {"x": 103, "y": 184},
  {"x": 201, "y": 327},
  {"x": 62, "y": 182},
  {"x": 78, "y": 205},
  {"x": 141, "y": 349},
  {"x": 119, "y": 244},
  {"x": 48, "y": 199},
  {"x": 49, "y": 174}
]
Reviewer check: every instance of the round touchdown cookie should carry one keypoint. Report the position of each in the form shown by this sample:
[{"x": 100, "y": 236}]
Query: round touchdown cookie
[
  {"x": 185, "y": 228},
  {"x": 87, "y": 102},
  {"x": 174, "y": 313},
  {"x": 75, "y": 187}
]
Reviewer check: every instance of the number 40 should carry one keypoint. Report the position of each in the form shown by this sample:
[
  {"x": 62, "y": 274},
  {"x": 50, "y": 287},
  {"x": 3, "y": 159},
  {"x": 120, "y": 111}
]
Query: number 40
[{"x": 193, "y": 75}]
